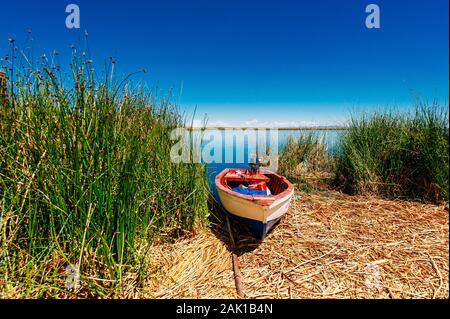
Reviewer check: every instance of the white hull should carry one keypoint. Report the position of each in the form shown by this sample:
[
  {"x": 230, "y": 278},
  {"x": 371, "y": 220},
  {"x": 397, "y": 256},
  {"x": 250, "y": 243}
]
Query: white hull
[{"x": 245, "y": 208}]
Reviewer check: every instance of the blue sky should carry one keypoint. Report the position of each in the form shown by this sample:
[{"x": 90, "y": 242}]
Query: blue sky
[{"x": 254, "y": 62}]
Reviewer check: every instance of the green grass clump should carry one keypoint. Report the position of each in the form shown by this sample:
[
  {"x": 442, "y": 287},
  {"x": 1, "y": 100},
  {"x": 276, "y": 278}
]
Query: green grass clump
[
  {"x": 393, "y": 154},
  {"x": 86, "y": 179},
  {"x": 303, "y": 155}
]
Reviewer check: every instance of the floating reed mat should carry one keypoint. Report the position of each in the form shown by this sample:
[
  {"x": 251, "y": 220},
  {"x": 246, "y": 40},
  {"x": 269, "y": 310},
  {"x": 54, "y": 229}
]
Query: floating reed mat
[
  {"x": 199, "y": 267},
  {"x": 329, "y": 245}
]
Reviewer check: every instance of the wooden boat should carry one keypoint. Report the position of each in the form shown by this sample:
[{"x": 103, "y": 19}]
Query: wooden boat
[{"x": 259, "y": 212}]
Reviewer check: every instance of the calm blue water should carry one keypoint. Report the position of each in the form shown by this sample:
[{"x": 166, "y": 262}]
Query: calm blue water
[{"x": 241, "y": 145}]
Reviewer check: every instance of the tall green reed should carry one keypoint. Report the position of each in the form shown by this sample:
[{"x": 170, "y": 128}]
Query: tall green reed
[
  {"x": 86, "y": 175},
  {"x": 397, "y": 154},
  {"x": 305, "y": 154}
]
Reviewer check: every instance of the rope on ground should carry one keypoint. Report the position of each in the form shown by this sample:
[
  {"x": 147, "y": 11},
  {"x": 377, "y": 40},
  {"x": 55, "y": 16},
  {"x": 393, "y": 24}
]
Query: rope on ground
[{"x": 237, "y": 271}]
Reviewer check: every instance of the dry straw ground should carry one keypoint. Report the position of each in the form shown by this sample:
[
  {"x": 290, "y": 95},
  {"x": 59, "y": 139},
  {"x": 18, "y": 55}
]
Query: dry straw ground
[{"x": 329, "y": 245}]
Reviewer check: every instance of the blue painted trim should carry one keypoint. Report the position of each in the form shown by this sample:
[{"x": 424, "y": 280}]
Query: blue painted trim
[{"x": 258, "y": 228}]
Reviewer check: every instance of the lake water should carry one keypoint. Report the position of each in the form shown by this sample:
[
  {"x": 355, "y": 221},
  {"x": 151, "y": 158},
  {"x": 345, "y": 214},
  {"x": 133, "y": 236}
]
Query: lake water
[{"x": 236, "y": 145}]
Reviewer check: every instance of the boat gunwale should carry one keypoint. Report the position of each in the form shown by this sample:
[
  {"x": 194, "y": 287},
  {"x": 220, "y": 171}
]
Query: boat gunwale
[{"x": 259, "y": 200}]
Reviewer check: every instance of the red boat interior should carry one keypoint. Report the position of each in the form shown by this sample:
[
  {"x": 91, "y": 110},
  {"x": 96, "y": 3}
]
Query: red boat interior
[{"x": 233, "y": 178}]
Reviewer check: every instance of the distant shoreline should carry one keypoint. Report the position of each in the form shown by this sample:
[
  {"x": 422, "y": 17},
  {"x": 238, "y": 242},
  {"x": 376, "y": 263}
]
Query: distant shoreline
[{"x": 223, "y": 128}]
